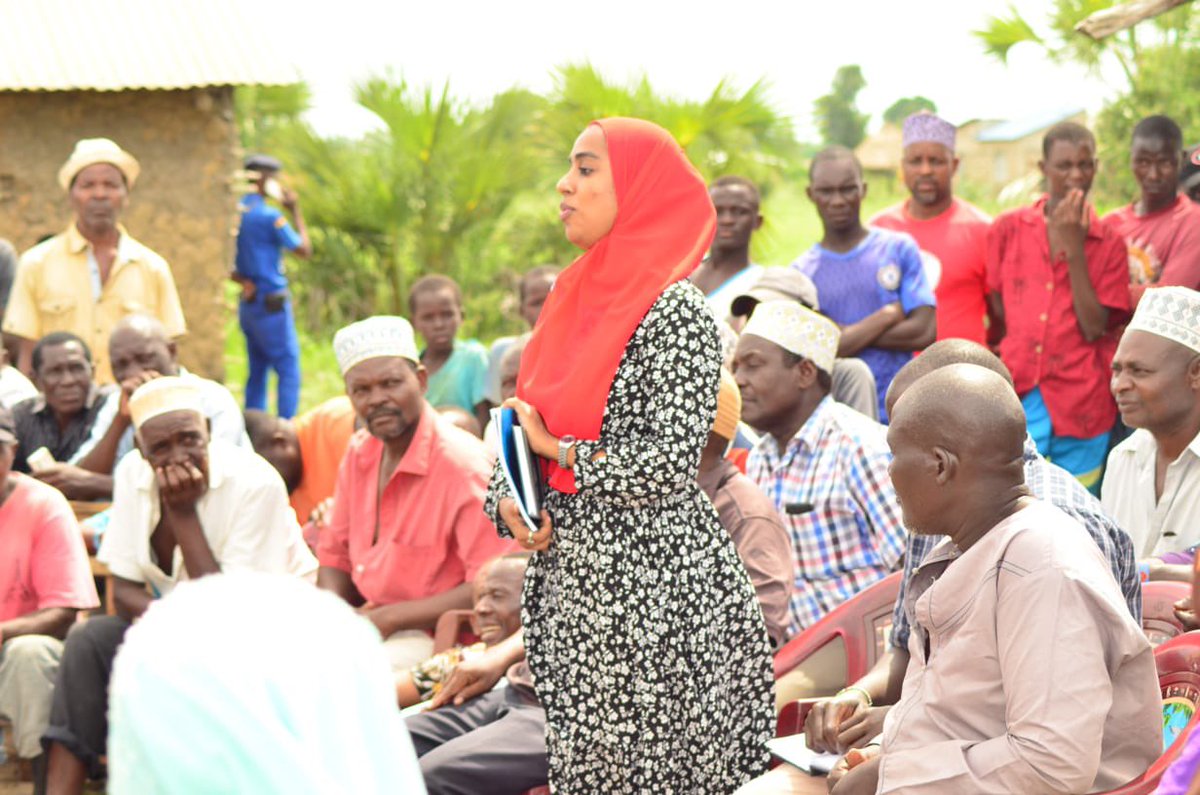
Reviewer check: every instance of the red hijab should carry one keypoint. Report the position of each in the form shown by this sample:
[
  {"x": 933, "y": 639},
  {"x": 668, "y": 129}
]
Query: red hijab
[{"x": 665, "y": 222}]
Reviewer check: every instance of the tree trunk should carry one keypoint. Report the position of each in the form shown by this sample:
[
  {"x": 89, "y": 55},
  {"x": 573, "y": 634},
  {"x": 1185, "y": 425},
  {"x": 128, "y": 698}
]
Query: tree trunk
[{"x": 1122, "y": 17}]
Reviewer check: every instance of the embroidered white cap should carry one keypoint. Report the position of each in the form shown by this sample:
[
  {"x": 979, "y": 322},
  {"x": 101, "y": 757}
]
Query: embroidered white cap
[
  {"x": 797, "y": 329},
  {"x": 161, "y": 396},
  {"x": 375, "y": 337},
  {"x": 1171, "y": 312}
]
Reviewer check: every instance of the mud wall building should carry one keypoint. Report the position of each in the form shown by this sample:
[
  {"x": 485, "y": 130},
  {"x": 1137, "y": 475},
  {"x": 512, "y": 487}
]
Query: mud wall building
[{"x": 168, "y": 101}]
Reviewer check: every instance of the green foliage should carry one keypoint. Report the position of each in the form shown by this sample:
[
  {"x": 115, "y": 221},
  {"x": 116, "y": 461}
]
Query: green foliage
[
  {"x": 904, "y": 107},
  {"x": 446, "y": 187},
  {"x": 729, "y": 132},
  {"x": 1158, "y": 58},
  {"x": 837, "y": 115},
  {"x": 1002, "y": 33},
  {"x": 261, "y": 110}
]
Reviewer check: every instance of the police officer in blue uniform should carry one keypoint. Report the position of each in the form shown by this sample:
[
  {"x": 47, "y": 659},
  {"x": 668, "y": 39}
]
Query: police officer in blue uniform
[{"x": 265, "y": 311}]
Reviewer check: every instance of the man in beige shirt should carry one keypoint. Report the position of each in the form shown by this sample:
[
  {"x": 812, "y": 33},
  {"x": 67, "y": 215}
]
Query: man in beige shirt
[
  {"x": 93, "y": 274},
  {"x": 1027, "y": 673},
  {"x": 1152, "y": 486}
]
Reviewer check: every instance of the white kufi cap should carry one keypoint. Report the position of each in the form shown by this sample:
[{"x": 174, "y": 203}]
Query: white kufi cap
[
  {"x": 161, "y": 396},
  {"x": 1171, "y": 312},
  {"x": 798, "y": 329},
  {"x": 375, "y": 337}
]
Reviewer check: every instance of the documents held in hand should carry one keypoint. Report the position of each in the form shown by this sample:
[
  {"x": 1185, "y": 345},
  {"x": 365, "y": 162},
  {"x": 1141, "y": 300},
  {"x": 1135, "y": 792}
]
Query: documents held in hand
[
  {"x": 794, "y": 750},
  {"x": 520, "y": 466}
]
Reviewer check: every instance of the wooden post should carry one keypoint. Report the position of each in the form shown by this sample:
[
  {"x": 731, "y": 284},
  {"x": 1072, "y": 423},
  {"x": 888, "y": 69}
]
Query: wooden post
[{"x": 1122, "y": 17}]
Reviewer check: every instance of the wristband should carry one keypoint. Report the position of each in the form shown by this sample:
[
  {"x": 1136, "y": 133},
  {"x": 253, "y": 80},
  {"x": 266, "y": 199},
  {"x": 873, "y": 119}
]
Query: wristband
[{"x": 857, "y": 689}]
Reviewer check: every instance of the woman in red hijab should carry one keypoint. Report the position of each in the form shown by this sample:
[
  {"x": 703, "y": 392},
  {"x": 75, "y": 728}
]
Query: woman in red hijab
[{"x": 647, "y": 647}]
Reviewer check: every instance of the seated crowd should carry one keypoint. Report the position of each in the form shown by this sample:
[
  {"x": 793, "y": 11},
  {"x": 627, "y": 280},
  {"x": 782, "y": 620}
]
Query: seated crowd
[{"x": 1045, "y": 443}]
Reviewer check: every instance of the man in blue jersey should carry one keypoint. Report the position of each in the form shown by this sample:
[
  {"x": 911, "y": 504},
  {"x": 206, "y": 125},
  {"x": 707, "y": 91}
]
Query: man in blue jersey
[
  {"x": 265, "y": 311},
  {"x": 871, "y": 281}
]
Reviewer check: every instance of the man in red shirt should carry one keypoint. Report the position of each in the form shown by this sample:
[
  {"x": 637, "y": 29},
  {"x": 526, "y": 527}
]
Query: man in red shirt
[
  {"x": 1060, "y": 291},
  {"x": 44, "y": 582},
  {"x": 1161, "y": 228},
  {"x": 408, "y": 532},
  {"x": 951, "y": 233}
]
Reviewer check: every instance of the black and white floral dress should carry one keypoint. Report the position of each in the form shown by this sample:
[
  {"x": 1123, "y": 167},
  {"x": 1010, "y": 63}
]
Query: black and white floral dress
[{"x": 647, "y": 646}]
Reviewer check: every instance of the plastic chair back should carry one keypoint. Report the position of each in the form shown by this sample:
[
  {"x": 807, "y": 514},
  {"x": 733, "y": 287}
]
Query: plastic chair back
[
  {"x": 863, "y": 622},
  {"x": 1178, "y": 661},
  {"x": 1158, "y": 610}
]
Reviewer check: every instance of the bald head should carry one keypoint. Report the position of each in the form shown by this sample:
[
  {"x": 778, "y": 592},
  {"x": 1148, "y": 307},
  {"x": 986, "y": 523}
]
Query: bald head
[
  {"x": 966, "y": 408},
  {"x": 957, "y": 438},
  {"x": 139, "y": 344},
  {"x": 944, "y": 353}
]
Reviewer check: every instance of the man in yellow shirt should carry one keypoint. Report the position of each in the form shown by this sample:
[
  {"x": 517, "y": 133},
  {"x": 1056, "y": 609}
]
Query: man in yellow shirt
[{"x": 93, "y": 274}]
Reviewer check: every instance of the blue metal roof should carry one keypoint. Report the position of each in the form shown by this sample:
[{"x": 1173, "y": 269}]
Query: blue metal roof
[{"x": 1015, "y": 129}]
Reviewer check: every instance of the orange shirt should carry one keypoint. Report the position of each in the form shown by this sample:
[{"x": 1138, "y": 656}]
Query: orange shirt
[
  {"x": 433, "y": 533},
  {"x": 323, "y": 434}
]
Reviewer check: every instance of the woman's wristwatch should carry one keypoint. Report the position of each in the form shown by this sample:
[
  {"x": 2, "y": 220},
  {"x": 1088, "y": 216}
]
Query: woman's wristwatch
[{"x": 565, "y": 443}]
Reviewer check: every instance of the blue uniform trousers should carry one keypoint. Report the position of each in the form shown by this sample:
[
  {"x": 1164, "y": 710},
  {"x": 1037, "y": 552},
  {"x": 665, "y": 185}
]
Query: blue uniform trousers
[{"x": 271, "y": 344}]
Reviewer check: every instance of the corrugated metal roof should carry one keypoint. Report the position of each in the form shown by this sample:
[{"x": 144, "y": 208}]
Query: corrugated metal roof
[
  {"x": 64, "y": 45},
  {"x": 1015, "y": 129}
]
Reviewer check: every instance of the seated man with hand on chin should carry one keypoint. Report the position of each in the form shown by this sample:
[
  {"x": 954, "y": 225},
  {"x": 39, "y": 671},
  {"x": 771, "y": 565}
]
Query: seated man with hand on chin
[{"x": 184, "y": 506}]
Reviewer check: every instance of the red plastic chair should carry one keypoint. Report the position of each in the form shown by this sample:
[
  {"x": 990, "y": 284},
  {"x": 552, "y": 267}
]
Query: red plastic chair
[
  {"x": 1158, "y": 609},
  {"x": 1178, "y": 661},
  {"x": 863, "y": 623}
]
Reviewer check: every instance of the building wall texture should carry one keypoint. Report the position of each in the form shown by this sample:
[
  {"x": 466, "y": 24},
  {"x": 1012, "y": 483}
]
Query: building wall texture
[{"x": 184, "y": 205}]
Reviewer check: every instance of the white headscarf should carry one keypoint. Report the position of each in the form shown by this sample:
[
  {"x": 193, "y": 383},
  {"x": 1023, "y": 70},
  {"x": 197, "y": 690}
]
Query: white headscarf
[{"x": 239, "y": 683}]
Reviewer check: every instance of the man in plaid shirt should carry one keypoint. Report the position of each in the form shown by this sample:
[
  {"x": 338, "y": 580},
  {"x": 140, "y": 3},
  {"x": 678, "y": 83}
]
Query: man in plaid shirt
[
  {"x": 850, "y": 718},
  {"x": 823, "y": 464}
]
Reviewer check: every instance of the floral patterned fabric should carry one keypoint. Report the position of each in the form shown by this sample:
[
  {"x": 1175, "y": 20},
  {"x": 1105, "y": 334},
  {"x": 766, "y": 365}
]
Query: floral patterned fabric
[
  {"x": 429, "y": 674},
  {"x": 647, "y": 646}
]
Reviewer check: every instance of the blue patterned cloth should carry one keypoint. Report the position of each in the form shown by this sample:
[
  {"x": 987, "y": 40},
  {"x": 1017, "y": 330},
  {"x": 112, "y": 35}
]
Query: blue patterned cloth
[{"x": 1058, "y": 487}]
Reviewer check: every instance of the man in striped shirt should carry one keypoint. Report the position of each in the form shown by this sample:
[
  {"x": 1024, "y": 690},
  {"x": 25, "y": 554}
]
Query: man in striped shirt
[{"x": 824, "y": 465}]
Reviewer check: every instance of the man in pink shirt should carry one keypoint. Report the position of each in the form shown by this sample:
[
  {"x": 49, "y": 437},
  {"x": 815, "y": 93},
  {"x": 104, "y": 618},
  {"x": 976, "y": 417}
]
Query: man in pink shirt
[
  {"x": 44, "y": 582},
  {"x": 951, "y": 233},
  {"x": 1161, "y": 228},
  {"x": 408, "y": 532}
]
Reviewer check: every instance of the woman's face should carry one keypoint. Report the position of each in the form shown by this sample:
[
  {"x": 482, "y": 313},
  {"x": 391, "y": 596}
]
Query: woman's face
[{"x": 589, "y": 205}]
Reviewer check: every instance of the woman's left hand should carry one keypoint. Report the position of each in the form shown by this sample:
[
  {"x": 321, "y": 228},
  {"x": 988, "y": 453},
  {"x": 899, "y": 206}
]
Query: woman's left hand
[
  {"x": 534, "y": 541},
  {"x": 541, "y": 441}
]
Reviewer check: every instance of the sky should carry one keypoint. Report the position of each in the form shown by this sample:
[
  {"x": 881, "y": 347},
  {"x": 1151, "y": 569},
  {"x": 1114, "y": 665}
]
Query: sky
[{"x": 920, "y": 47}]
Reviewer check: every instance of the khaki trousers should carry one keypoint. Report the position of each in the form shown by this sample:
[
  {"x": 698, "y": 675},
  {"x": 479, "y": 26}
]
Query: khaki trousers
[{"x": 28, "y": 668}]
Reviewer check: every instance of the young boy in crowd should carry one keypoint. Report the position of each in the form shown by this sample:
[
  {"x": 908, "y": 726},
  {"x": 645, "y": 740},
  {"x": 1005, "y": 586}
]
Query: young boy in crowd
[
  {"x": 457, "y": 368},
  {"x": 532, "y": 291}
]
